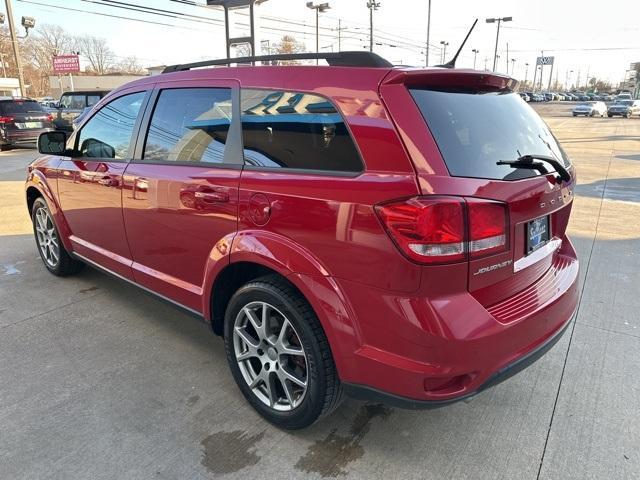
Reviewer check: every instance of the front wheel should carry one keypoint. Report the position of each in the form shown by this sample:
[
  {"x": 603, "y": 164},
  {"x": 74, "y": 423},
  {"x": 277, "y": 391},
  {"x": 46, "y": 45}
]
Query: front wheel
[
  {"x": 54, "y": 256},
  {"x": 279, "y": 355}
]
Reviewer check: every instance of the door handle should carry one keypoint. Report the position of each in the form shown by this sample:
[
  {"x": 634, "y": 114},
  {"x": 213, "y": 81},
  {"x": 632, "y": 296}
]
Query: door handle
[{"x": 212, "y": 196}]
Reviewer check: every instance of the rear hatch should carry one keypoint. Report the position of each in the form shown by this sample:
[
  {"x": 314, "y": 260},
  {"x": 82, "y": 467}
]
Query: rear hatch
[
  {"x": 24, "y": 115},
  {"x": 458, "y": 126}
]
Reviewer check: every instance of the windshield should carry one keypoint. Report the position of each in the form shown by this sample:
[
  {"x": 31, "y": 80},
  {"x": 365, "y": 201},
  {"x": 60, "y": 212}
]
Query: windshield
[
  {"x": 474, "y": 131},
  {"x": 586, "y": 104},
  {"x": 21, "y": 107},
  {"x": 624, "y": 102}
]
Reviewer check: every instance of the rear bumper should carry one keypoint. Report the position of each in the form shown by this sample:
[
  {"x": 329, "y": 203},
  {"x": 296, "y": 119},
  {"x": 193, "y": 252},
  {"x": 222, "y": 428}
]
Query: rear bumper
[
  {"x": 14, "y": 137},
  {"x": 361, "y": 392},
  {"x": 419, "y": 352}
]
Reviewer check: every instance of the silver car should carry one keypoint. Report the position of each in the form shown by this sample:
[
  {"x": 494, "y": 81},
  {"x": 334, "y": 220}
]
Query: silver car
[{"x": 590, "y": 109}]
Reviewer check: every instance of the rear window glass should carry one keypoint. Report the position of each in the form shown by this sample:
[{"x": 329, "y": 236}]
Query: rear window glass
[
  {"x": 295, "y": 130},
  {"x": 20, "y": 107},
  {"x": 474, "y": 131}
]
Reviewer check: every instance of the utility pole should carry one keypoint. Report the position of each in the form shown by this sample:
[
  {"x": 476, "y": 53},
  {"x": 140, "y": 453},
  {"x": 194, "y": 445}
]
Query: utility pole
[
  {"x": 428, "y": 32},
  {"x": 507, "y": 59},
  {"x": 526, "y": 71},
  {"x": 475, "y": 54},
  {"x": 339, "y": 35},
  {"x": 498, "y": 21},
  {"x": 372, "y": 5},
  {"x": 16, "y": 49},
  {"x": 513, "y": 66},
  {"x": 320, "y": 7}
]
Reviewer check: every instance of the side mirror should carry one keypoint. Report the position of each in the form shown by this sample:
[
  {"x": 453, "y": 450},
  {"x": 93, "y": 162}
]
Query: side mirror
[{"x": 52, "y": 143}]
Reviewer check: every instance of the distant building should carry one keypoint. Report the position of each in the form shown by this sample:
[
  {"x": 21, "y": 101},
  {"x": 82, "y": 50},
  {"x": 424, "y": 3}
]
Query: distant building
[
  {"x": 157, "y": 70},
  {"x": 63, "y": 83},
  {"x": 9, "y": 87}
]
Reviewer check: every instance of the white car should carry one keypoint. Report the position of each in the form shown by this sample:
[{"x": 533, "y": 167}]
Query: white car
[{"x": 590, "y": 109}]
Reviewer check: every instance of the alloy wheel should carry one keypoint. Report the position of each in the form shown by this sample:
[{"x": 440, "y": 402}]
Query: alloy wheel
[
  {"x": 270, "y": 356},
  {"x": 48, "y": 241}
]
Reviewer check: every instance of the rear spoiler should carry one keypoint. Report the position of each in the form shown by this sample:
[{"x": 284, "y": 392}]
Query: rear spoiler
[{"x": 449, "y": 79}]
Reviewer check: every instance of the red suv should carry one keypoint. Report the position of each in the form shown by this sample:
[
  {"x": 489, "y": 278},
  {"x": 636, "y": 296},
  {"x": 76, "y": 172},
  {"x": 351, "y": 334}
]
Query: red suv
[{"x": 393, "y": 234}]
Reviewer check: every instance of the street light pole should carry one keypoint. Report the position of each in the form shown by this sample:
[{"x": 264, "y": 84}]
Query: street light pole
[
  {"x": 498, "y": 21},
  {"x": 428, "y": 32},
  {"x": 513, "y": 66},
  {"x": 372, "y": 5},
  {"x": 16, "y": 49},
  {"x": 320, "y": 7},
  {"x": 526, "y": 71},
  {"x": 475, "y": 54},
  {"x": 444, "y": 50}
]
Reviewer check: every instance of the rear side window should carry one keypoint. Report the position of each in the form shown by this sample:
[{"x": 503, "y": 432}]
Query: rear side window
[
  {"x": 92, "y": 100},
  {"x": 20, "y": 107},
  {"x": 474, "y": 131},
  {"x": 73, "y": 101},
  {"x": 189, "y": 125},
  {"x": 295, "y": 130}
]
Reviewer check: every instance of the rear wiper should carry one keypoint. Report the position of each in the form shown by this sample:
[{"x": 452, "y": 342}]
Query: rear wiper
[{"x": 527, "y": 161}]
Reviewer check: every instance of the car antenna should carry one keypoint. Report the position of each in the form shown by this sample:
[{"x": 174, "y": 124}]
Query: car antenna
[{"x": 452, "y": 63}]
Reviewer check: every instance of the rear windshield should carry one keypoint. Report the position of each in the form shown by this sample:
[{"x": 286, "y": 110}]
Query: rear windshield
[
  {"x": 474, "y": 131},
  {"x": 20, "y": 107}
]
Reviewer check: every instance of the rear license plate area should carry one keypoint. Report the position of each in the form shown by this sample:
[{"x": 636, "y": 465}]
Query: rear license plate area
[{"x": 537, "y": 233}]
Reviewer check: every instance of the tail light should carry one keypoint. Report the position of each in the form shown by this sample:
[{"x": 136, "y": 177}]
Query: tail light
[
  {"x": 49, "y": 118},
  {"x": 487, "y": 227},
  {"x": 6, "y": 119},
  {"x": 445, "y": 229}
]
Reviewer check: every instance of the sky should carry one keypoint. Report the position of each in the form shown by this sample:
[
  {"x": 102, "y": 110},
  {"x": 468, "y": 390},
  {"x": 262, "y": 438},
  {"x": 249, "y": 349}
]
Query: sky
[{"x": 600, "y": 41}]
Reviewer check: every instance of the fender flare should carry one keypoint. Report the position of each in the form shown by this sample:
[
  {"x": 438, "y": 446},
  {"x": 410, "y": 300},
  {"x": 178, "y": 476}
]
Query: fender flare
[
  {"x": 304, "y": 271},
  {"x": 36, "y": 179}
]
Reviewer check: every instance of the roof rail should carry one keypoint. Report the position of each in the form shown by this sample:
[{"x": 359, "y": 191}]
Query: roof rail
[{"x": 338, "y": 59}]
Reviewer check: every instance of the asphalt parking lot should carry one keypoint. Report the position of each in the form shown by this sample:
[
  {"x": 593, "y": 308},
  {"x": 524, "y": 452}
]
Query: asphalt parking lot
[{"x": 104, "y": 382}]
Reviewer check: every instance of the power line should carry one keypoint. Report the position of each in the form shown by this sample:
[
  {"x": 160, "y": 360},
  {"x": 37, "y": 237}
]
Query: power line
[{"x": 101, "y": 14}]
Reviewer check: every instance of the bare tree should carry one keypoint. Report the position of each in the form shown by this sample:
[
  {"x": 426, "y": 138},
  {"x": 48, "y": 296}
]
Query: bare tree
[
  {"x": 97, "y": 52},
  {"x": 45, "y": 43},
  {"x": 129, "y": 65},
  {"x": 287, "y": 45}
]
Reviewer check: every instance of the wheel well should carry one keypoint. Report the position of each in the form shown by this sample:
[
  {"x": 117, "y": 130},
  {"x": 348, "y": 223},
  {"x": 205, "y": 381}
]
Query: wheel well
[
  {"x": 227, "y": 283},
  {"x": 32, "y": 194}
]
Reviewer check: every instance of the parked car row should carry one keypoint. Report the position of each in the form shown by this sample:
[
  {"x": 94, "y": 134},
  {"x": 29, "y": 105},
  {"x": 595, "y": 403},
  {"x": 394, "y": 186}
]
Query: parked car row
[
  {"x": 567, "y": 96},
  {"x": 624, "y": 108}
]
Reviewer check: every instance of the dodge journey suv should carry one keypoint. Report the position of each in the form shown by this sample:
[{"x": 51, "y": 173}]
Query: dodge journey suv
[{"x": 388, "y": 233}]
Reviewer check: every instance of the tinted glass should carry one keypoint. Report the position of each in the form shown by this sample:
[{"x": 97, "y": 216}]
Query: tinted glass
[
  {"x": 73, "y": 101},
  {"x": 475, "y": 130},
  {"x": 93, "y": 99},
  {"x": 189, "y": 125},
  {"x": 20, "y": 107},
  {"x": 108, "y": 133},
  {"x": 295, "y": 130}
]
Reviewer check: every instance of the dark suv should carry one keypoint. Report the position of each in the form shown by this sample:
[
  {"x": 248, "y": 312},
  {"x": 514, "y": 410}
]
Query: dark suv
[
  {"x": 395, "y": 234},
  {"x": 73, "y": 104},
  {"x": 22, "y": 120}
]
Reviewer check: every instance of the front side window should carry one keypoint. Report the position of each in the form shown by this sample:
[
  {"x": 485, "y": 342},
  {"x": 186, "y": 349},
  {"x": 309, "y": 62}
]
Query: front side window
[
  {"x": 295, "y": 130},
  {"x": 189, "y": 125},
  {"x": 108, "y": 133}
]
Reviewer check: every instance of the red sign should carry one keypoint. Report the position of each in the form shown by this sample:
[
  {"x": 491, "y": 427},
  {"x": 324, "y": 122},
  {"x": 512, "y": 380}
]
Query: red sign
[{"x": 66, "y": 64}]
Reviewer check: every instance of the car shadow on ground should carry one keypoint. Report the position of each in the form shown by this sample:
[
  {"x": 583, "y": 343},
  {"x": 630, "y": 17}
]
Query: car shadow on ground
[{"x": 622, "y": 189}]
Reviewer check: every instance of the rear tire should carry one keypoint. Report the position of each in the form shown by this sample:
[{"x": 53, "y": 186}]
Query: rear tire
[
  {"x": 279, "y": 354},
  {"x": 4, "y": 148},
  {"x": 52, "y": 252},
  {"x": 609, "y": 115}
]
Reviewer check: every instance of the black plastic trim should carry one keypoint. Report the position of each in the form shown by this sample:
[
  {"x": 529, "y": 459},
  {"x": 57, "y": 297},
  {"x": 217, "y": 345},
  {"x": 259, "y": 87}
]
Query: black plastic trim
[{"x": 338, "y": 59}]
